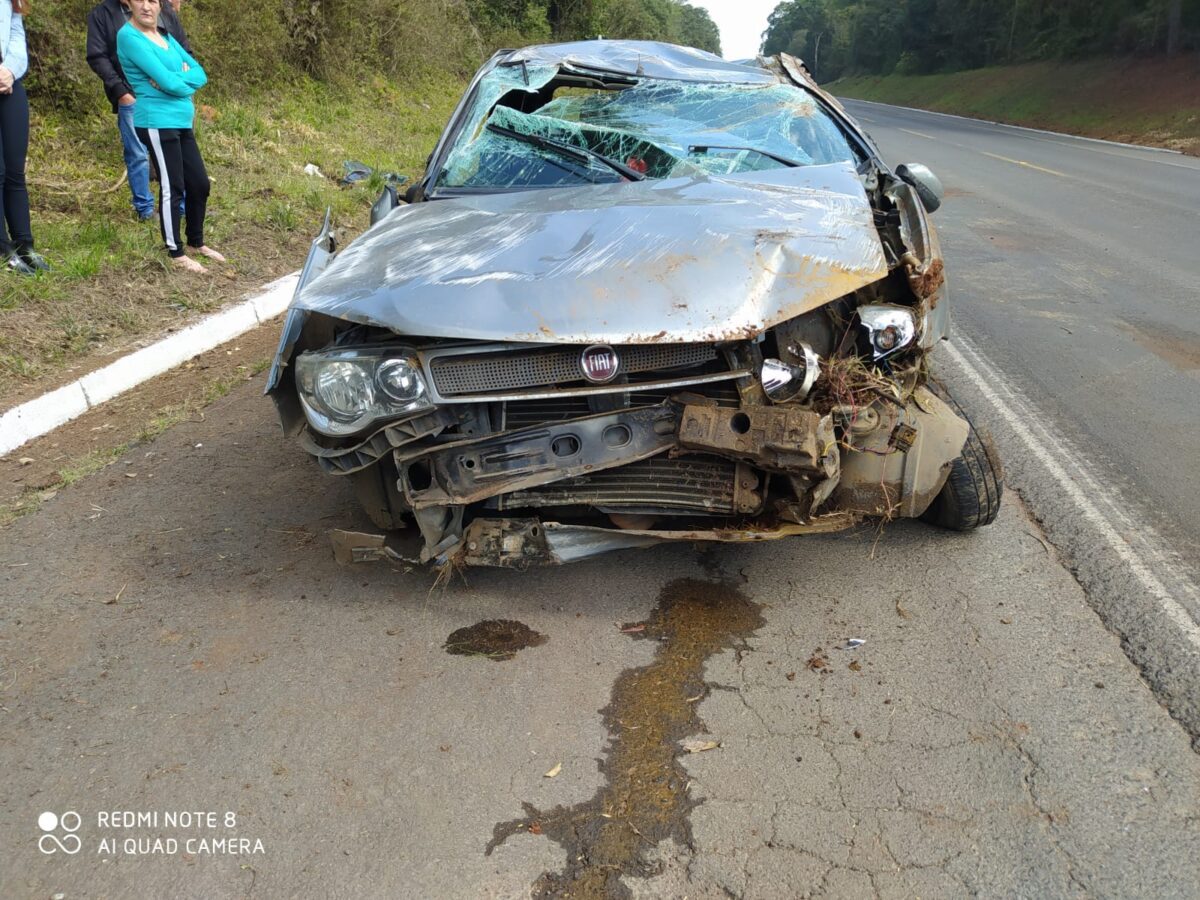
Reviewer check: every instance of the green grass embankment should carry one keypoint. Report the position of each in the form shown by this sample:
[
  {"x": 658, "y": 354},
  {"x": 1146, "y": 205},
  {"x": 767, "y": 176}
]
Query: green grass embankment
[
  {"x": 1144, "y": 101},
  {"x": 112, "y": 286}
]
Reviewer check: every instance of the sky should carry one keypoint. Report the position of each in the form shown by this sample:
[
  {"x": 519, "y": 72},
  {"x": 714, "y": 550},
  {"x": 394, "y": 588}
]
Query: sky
[{"x": 742, "y": 23}]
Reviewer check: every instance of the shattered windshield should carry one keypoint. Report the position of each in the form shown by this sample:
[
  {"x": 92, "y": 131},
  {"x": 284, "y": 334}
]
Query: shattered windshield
[{"x": 653, "y": 128}]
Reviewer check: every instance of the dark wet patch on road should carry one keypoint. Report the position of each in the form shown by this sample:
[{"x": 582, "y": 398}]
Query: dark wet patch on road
[
  {"x": 495, "y": 639},
  {"x": 644, "y": 800},
  {"x": 1177, "y": 348}
]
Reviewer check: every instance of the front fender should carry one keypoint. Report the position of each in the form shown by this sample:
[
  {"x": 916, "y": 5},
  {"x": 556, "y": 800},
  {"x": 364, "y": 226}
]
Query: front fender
[{"x": 323, "y": 249}]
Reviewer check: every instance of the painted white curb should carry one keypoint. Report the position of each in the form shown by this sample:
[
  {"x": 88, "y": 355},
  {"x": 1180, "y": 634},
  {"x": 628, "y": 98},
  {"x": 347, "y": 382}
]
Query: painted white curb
[
  {"x": 43, "y": 414},
  {"x": 1062, "y": 134}
]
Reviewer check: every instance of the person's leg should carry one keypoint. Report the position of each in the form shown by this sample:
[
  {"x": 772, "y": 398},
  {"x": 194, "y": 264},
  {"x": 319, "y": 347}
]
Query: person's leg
[
  {"x": 8, "y": 254},
  {"x": 6, "y": 245},
  {"x": 137, "y": 163},
  {"x": 14, "y": 124},
  {"x": 196, "y": 185},
  {"x": 163, "y": 146}
]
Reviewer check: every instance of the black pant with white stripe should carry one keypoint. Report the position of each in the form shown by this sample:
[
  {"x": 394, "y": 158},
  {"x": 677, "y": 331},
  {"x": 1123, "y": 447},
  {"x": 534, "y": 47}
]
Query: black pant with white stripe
[{"x": 176, "y": 160}]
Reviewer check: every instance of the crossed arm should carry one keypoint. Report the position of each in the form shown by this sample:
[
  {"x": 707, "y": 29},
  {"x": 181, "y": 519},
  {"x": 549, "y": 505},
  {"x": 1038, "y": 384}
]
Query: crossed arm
[
  {"x": 177, "y": 84},
  {"x": 16, "y": 63}
]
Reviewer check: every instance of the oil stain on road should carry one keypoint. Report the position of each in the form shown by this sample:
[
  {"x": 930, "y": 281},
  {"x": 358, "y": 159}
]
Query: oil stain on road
[
  {"x": 644, "y": 800},
  {"x": 494, "y": 639}
]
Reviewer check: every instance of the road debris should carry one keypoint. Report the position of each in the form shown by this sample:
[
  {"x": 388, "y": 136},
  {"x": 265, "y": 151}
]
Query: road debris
[
  {"x": 354, "y": 172},
  {"x": 356, "y": 546},
  {"x": 850, "y": 644},
  {"x": 553, "y": 773},
  {"x": 698, "y": 745}
]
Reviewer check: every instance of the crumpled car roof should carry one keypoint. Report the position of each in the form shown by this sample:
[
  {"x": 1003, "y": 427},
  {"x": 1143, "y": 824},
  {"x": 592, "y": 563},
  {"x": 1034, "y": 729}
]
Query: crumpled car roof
[{"x": 647, "y": 59}]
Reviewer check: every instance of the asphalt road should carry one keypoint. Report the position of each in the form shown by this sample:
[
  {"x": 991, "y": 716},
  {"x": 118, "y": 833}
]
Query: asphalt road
[
  {"x": 175, "y": 637},
  {"x": 1073, "y": 266}
]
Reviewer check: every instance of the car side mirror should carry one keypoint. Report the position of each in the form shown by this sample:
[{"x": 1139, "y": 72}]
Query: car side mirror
[
  {"x": 927, "y": 185},
  {"x": 388, "y": 200}
]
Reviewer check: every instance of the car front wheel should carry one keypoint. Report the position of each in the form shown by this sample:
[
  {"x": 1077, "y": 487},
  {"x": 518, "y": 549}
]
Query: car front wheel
[{"x": 971, "y": 495}]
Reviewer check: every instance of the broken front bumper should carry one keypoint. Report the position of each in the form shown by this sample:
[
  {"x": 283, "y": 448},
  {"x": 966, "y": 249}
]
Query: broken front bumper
[
  {"x": 520, "y": 543},
  {"x": 758, "y": 473}
]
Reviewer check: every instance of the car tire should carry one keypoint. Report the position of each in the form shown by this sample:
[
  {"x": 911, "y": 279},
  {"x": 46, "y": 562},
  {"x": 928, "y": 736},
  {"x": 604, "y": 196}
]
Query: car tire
[
  {"x": 379, "y": 496},
  {"x": 970, "y": 498}
]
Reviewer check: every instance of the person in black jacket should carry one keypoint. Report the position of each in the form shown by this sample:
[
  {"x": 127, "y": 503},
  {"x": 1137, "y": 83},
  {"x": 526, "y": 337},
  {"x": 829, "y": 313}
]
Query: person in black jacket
[{"x": 104, "y": 21}]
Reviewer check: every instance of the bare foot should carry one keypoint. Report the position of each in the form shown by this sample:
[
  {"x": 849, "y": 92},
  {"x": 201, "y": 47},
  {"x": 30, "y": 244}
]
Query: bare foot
[
  {"x": 188, "y": 264},
  {"x": 210, "y": 253}
]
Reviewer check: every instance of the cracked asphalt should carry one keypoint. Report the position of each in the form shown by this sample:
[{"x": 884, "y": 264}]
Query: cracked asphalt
[{"x": 175, "y": 635}]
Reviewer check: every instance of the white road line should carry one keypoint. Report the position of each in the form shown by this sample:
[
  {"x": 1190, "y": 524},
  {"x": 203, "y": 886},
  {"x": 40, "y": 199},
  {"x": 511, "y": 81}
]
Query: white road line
[
  {"x": 1084, "y": 490},
  {"x": 1069, "y": 144},
  {"x": 1115, "y": 155},
  {"x": 1058, "y": 134}
]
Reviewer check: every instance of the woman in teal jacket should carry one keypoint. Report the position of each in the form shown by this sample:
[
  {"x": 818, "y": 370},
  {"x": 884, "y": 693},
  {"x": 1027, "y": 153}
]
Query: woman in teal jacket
[{"x": 164, "y": 76}]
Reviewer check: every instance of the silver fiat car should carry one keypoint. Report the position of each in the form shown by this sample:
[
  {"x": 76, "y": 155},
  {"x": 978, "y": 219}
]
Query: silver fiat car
[{"x": 640, "y": 294}]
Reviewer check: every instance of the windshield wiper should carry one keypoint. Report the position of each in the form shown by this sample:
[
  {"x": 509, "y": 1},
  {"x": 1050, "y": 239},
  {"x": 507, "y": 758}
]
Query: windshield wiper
[
  {"x": 704, "y": 148},
  {"x": 580, "y": 153}
]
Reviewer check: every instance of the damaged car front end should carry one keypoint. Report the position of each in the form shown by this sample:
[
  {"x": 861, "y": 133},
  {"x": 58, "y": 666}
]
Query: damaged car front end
[{"x": 641, "y": 295}]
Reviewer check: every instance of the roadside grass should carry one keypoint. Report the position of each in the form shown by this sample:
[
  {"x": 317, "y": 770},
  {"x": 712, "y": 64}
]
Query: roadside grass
[
  {"x": 112, "y": 283},
  {"x": 1149, "y": 101}
]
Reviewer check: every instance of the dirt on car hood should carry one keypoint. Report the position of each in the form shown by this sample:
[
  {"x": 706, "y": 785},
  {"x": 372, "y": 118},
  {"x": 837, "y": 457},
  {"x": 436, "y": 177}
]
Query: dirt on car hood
[{"x": 684, "y": 259}]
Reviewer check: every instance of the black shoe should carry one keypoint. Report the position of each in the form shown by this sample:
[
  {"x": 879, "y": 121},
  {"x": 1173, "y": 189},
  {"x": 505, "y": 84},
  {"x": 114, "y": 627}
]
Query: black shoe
[
  {"x": 33, "y": 260},
  {"x": 14, "y": 263}
]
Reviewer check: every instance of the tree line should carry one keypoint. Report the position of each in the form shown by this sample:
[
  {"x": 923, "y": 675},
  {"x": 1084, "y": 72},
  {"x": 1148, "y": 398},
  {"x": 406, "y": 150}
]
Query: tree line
[
  {"x": 908, "y": 37},
  {"x": 264, "y": 44}
]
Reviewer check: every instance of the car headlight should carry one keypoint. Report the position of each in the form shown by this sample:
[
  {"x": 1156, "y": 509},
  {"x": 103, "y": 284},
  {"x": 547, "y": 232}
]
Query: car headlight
[
  {"x": 344, "y": 391},
  {"x": 891, "y": 328},
  {"x": 783, "y": 381}
]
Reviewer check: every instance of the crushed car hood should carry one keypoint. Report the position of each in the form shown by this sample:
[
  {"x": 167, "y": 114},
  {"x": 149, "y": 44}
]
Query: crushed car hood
[{"x": 685, "y": 259}]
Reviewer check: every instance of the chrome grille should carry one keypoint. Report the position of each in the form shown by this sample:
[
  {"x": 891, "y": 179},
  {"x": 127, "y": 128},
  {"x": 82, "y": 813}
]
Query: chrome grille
[
  {"x": 702, "y": 484},
  {"x": 484, "y": 373}
]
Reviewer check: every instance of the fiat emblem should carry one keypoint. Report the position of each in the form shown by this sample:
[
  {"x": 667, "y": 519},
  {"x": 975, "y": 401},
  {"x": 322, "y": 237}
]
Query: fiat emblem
[{"x": 599, "y": 363}]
